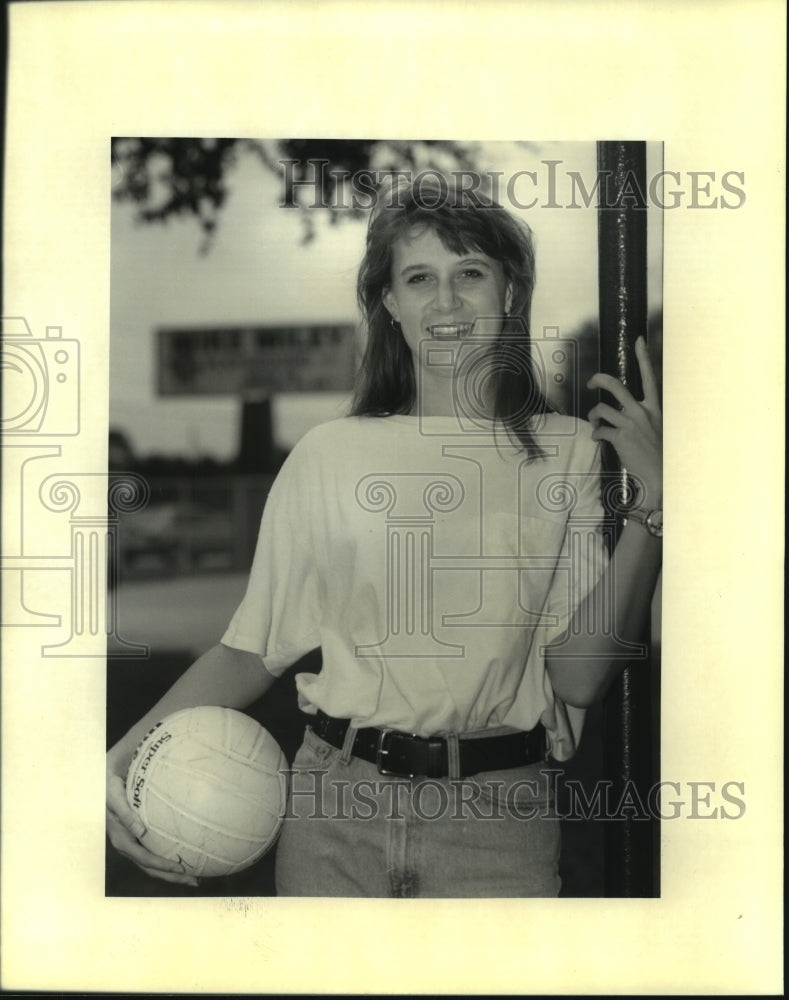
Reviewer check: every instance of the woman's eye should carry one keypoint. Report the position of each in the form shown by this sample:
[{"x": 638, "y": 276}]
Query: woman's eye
[
  {"x": 472, "y": 272},
  {"x": 417, "y": 279}
]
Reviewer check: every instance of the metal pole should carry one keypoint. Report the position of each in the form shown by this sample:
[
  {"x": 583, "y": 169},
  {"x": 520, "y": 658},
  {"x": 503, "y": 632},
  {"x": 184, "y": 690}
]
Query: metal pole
[{"x": 631, "y": 839}]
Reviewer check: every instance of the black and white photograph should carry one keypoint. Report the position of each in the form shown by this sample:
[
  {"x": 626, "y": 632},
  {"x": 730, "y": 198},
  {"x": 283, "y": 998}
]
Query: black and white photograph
[
  {"x": 351, "y": 360},
  {"x": 436, "y": 569}
]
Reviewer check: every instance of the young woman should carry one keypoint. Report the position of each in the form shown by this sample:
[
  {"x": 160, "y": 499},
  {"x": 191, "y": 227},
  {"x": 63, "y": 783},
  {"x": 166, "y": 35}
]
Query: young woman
[{"x": 443, "y": 546}]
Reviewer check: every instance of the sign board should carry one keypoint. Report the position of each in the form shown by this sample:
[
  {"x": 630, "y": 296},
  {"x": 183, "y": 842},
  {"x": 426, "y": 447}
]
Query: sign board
[{"x": 236, "y": 360}]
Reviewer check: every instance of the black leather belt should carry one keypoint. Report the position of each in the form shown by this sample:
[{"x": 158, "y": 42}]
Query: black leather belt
[{"x": 406, "y": 756}]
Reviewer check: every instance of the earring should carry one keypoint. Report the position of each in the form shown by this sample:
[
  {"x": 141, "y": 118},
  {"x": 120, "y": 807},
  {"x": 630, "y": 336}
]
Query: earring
[{"x": 393, "y": 322}]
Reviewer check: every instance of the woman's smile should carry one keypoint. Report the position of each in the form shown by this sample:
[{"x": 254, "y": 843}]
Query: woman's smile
[
  {"x": 449, "y": 331},
  {"x": 437, "y": 293}
]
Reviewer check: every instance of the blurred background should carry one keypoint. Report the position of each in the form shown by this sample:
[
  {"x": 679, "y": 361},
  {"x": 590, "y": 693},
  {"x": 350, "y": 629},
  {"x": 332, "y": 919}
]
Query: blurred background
[{"x": 234, "y": 329}]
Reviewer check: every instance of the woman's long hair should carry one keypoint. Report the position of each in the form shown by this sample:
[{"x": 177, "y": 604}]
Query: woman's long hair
[{"x": 465, "y": 222}]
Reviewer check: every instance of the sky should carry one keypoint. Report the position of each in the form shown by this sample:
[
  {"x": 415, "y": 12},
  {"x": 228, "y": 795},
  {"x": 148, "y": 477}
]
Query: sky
[{"x": 258, "y": 271}]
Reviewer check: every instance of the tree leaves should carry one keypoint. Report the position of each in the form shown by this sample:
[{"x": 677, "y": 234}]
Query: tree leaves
[{"x": 168, "y": 178}]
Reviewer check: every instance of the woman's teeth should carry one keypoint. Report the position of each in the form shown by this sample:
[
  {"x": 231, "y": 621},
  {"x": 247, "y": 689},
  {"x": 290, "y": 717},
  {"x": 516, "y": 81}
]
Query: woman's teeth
[{"x": 447, "y": 330}]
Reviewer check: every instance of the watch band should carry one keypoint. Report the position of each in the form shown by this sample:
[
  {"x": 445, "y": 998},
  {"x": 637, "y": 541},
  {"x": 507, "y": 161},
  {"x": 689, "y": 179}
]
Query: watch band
[{"x": 651, "y": 519}]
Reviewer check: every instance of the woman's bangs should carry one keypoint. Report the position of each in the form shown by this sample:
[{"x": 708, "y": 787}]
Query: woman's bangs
[{"x": 459, "y": 231}]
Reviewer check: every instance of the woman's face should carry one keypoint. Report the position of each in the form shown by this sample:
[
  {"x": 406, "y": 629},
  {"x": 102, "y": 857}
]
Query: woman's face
[{"x": 436, "y": 293}]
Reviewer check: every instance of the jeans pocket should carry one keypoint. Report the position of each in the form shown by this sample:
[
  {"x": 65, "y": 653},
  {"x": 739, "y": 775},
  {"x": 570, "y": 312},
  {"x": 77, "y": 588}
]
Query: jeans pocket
[{"x": 311, "y": 791}]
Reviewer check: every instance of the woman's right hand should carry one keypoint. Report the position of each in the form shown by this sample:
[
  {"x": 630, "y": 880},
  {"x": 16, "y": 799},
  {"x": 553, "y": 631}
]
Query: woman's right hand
[
  {"x": 221, "y": 676},
  {"x": 123, "y": 829}
]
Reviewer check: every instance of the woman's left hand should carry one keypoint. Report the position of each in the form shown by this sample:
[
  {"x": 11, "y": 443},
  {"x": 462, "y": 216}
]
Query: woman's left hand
[{"x": 636, "y": 430}]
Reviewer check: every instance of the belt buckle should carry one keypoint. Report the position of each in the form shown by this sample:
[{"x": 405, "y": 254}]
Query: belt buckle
[{"x": 381, "y": 751}]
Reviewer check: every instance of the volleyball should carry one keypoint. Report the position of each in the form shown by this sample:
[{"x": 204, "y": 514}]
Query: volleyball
[{"x": 209, "y": 786}]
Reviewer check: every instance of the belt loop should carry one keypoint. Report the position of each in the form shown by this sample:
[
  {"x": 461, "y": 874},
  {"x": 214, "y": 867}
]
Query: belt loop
[
  {"x": 453, "y": 756},
  {"x": 347, "y": 745}
]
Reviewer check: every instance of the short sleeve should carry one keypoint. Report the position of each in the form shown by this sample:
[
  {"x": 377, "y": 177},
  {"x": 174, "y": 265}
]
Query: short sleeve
[
  {"x": 581, "y": 563},
  {"x": 583, "y": 556},
  {"x": 279, "y": 617}
]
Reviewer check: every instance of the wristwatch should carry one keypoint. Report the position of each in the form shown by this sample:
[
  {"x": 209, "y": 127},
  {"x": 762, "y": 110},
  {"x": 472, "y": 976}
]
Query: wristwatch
[{"x": 651, "y": 519}]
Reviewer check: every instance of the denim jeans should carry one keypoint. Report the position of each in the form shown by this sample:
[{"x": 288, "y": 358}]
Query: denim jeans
[{"x": 351, "y": 831}]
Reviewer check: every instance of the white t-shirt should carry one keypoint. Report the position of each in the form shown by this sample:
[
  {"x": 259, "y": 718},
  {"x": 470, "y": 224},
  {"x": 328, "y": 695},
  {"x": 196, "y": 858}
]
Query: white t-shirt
[{"x": 431, "y": 563}]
